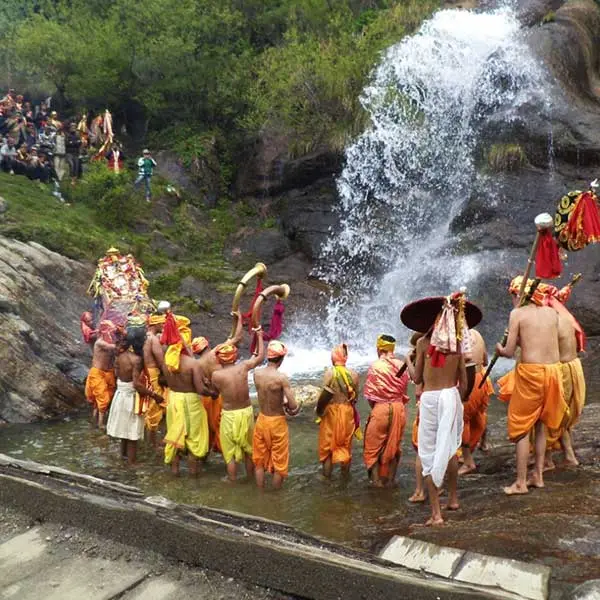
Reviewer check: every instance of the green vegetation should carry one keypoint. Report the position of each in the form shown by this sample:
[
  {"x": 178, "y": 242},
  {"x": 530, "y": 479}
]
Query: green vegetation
[
  {"x": 208, "y": 75},
  {"x": 549, "y": 17},
  {"x": 506, "y": 157}
]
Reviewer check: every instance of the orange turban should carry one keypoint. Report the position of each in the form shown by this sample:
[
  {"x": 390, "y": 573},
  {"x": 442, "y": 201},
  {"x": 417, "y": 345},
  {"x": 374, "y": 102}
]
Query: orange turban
[
  {"x": 226, "y": 353},
  {"x": 538, "y": 296},
  {"x": 154, "y": 320},
  {"x": 276, "y": 350},
  {"x": 544, "y": 291},
  {"x": 199, "y": 344},
  {"x": 106, "y": 329},
  {"x": 339, "y": 355}
]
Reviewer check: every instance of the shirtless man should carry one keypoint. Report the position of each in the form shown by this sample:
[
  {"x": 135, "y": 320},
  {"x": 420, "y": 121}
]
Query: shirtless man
[
  {"x": 338, "y": 424},
  {"x": 237, "y": 418},
  {"x": 187, "y": 423},
  {"x": 537, "y": 396},
  {"x": 271, "y": 442},
  {"x": 440, "y": 422},
  {"x": 574, "y": 389},
  {"x": 475, "y": 407},
  {"x": 100, "y": 384},
  {"x": 123, "y": 423},
  {"x": 153, "y": 359}
]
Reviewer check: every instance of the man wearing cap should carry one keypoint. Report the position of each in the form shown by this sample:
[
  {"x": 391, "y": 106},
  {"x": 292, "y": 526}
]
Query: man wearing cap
[
  {"x": 271, "y": 442},
  {"x": 338, "y": 417},
  {"x": 100, "y": 384},
  {"x": 386, "y": 394},
  {"x": 187, "y": 423},
  {"x": 237, "y": 417},
  {"x": 440, "y": 366},
  {"x": 146, "y": 166},
  {"x": 153, "y": 359},
  {"x": 537, "y": 398}
]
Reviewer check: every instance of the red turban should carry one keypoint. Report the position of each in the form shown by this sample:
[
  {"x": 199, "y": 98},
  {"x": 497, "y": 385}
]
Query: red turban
[
  {"x": 276, "y": 350},
  {"x": 226, "y": 353},
  {"x": 339, "y": 355}
]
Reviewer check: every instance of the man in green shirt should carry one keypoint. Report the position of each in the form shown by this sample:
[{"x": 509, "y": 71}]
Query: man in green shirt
[{"x": 146, "y": 166}]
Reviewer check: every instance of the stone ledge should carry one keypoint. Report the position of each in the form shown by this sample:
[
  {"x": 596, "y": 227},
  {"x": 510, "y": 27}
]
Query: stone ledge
[
  {"x": 262, "y": 552},
  {"x": 513, "y": 577}
]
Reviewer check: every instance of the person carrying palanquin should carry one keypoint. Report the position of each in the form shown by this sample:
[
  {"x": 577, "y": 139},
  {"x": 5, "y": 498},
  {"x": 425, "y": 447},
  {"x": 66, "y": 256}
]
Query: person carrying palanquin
[
  {"x": 386, "y": 394},
  {"x": 475, "y": 407},
  {"x": 337, "y": 412},
  {"x": 237, "y": 417},
  {"x": 440, "y": 366},
  {"x": 100, "y": 384},
  {"x": 537, "y": 398},
  {"x": 271, "y": 441},
  {"x": 187, "y": 422}
]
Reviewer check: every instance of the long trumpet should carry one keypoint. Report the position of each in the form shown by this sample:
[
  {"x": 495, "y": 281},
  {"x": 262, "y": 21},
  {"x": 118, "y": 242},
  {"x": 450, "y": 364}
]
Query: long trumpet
[
  {"x": 281, "y": 291},
  {"x": 259, "y": 270}
]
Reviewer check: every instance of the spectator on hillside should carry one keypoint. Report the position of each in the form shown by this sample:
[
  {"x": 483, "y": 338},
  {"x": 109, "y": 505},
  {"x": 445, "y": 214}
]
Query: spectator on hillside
[
  {"x": 60, "y": 154},
  {"x": 41, "y": 119},
  {"x": 8, "y": 154},
  {"x": 73, "y": 145},
  {"x": 146, "y": 166},
  {"x": 46, "y": 140},
  {"x": 115, "y": 157},
  {"x": 30, "y": 137}
]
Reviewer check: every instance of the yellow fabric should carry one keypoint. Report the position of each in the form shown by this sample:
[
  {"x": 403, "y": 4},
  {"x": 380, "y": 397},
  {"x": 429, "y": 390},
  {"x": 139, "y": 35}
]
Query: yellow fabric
[
  {"x": 235, "y": 432},
  {"x": 154, "y": 411},
  {"x": 335, "y": 433},
  {"x": 271, "y": 444},
  {"x": 100, "y": 388},
  {"x": 187, "y": 426},
  {"x": 156, "y": 320},
  {"x": 574, "y": 390},
  {"x": 537, "y": 396},
  {"x": 173, "y": 353},
  {"x": 385, "y": 345}
]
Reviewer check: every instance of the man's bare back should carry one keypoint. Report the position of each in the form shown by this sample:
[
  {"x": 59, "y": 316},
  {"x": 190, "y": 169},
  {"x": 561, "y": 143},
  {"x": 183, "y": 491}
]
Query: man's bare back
[
  {"x": 535, "y": 329},
  {"x": 567, "y": 340},
  {"x": 273, "y": 387},
  {"x": 450, "y": 375},
  {"x": 478, "y": 350},
  {"x": 188, "y": 379},
  {"x": 153, "y": 352},
  {"x": 104, "y": 355},
  {"x": 128, "y": 367},
  {"x": 232, "y": 383}
]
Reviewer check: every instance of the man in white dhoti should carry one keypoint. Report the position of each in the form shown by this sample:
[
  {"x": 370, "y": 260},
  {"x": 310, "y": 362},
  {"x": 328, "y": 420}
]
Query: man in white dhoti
[
  {"x": 125, "y": 420},
  {"x": 439, "y": 366}
]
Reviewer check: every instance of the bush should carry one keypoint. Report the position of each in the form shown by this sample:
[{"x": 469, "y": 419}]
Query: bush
[{"x": 506, "y": 157}]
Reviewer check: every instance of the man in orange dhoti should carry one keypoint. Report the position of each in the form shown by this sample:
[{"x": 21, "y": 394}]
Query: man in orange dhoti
[
  {"x": 271, "y": 441},
  {"x": 100, "y": 384},
  {"x": 386, "y": 394},
  {"x": 338, "y": 422},
  {"x": 153, "y": 358},
  {"x": 537, "y": 398},
  {"x": 475, "y": 408}
]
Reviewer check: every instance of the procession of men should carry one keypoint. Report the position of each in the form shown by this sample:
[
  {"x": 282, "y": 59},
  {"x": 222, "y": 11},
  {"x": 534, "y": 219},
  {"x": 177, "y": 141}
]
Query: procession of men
[{"x": 152, "y": 370}]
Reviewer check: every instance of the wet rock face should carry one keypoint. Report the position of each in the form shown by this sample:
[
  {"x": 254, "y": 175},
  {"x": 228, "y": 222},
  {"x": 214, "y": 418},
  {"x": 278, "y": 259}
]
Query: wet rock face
[
  {"x": 42, "y": 295},
  {"x": 590, "y": 590}
]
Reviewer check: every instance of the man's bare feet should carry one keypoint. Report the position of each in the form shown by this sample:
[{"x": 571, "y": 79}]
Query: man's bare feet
[
  {"x": 515, "y": 489},
  {"x": 569, "y": 462},
  {"x": 451, "y": 506},
  {"x": 377, "y": 484},
  {"x": 439, "y": 522},
  {"x": 465, "y": 469},
  {"x": 549, "y": 465},
  {"x": 417, "y": 497},
  {"x": 535, "y": 481},
  {"x": 485, "y": 447}
]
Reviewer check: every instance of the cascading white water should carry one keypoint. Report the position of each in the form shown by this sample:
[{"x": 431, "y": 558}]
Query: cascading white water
[{"x": 410, "y": 172}]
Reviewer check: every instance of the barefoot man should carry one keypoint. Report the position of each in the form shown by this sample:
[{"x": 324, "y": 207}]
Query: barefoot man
[
  {"x": 475, "y": 408},
  {"x": 338, "y": 419},
  {"x": 386, "y": 394},
  {"x": 571, "y": 341},
  {"x": 187, "y": 423},
  {"x": 100, "y": 384},
  {"x": 153, "y": 358},
  {"x": 237, "y": 418},
  {"x": 123, "y": 423},
  {"x": 537, "y": 398},
  {"x": 440, "y": 367},
  {"x": 271, "y": 441}
]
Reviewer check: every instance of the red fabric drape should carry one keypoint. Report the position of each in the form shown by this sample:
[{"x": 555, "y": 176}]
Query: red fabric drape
[
  {"x": 584, "y": 224},
  {"x": 547, "y": 259},
  {"x": 170, "y": 334},
  {"x": 275, "y": 325}
]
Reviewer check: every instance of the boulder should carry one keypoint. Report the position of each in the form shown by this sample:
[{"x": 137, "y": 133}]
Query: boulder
[
  {"x": 193, "y": 288},
  {"x": 161, "y": 243},
  {"x": 264, "y": 245},
  {"x": 590, "y": 590},
  {"x": 3, "y": 205}
]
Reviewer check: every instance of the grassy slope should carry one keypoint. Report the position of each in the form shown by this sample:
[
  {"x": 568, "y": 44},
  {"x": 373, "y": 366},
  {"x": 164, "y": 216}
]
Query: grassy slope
[{"x": 80, "y": 231}]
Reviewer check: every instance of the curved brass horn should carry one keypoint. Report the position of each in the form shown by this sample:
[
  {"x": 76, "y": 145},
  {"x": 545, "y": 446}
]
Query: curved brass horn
[
  {"x": 258, "y": 270},
  {"x": 281, "y": 291}
]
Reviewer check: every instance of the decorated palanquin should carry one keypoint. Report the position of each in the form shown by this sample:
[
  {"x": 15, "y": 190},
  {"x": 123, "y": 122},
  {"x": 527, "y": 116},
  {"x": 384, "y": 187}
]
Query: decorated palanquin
[
  {"x": 119, "y": 288},
  {"x": 577, "y": 220}
]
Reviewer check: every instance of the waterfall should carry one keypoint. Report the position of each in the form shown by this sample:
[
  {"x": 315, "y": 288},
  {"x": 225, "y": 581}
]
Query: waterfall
[{"x": 408, "y": 175}]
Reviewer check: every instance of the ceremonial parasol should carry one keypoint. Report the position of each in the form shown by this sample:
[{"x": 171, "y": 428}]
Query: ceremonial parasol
[{"x": 421, "y": 314}]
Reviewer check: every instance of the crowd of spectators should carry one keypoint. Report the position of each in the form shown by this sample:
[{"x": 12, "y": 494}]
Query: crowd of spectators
[{"x": 34, "y": 142}]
